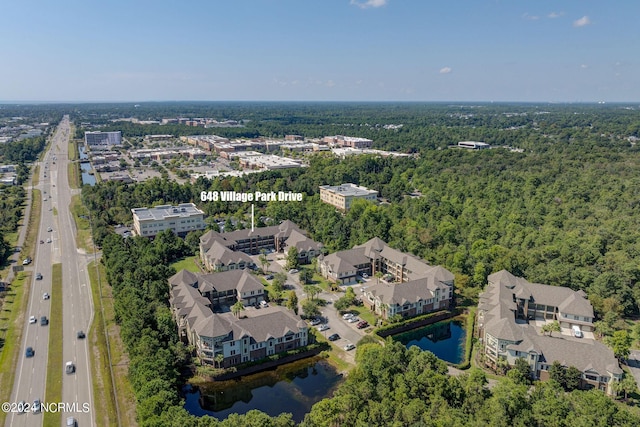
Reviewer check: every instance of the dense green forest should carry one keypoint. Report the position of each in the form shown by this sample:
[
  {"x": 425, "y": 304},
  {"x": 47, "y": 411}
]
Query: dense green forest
[{"x": 563, "y": 212}]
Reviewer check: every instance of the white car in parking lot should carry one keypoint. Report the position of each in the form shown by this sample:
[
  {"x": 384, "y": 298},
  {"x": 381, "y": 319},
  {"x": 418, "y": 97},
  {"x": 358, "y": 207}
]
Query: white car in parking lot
[
  {"x": 323, "y": 327},
  {"x": 347, "y": 316}
]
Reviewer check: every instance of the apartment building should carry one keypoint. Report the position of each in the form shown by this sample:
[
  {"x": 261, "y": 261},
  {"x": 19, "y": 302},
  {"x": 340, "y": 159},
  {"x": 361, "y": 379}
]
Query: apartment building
[
  {"x": 348, "y": 141},
  {"x": 222, "y": 338},
  {"x": 223, "y": 249},
  {"x": 342, "y": 196},
  {"x": 409, "y": 286},
  {"x": 181, "y": 219},
  {"x": 510, "y": 313}
]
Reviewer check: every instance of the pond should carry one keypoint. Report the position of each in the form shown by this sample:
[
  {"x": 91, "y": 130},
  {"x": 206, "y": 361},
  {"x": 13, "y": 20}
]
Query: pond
[
  {"x": 293, "y": 388},
  {"x": 444, "y": 339},
  {"x": 87, "y": 178}
]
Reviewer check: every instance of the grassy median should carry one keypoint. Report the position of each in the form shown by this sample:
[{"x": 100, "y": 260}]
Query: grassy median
[
  {"x": 83, "y": 228},
  {"x": 73, "y": 170},
  {"x": 53, "y": 391}
]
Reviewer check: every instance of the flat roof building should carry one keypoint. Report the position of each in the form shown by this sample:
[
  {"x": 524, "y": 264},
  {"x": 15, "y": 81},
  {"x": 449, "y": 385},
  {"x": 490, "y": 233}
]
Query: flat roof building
[
  {"x": 342, "y": 196},
  {"x": 181, "y": 219},
  {"x": 103, "y": 138}
]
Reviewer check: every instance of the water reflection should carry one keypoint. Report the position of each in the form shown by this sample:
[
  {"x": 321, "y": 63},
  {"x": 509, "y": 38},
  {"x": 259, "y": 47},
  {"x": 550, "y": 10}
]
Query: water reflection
[
  {"x": 292, "y": 388},
  {"x": 444, "y": 339}
]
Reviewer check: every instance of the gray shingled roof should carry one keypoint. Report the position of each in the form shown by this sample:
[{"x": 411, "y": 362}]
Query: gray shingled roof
[
  {"x": 499, "y": 321},
  {"x": 220, "y": 254}
]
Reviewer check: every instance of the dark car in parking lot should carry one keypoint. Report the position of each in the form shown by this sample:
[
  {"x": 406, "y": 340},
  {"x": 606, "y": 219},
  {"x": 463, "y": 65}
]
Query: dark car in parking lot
[
  {"x": 363, "y": 324},
  {"x": 334, "y": 337}
]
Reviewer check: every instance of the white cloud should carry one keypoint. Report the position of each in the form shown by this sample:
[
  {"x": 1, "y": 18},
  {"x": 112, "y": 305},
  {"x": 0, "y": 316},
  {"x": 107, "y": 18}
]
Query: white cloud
[
  {"x": 365, "y": 4},
  {"x": 445, "y": 70},
  {"x": 530, "y": 17},
  {"x": 553, "y": 15},
  {"x": 582, "y": 22},
  {"x": 584, "y": 66}
]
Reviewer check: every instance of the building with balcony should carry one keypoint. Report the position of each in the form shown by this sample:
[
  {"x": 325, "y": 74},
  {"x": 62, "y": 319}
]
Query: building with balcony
[
  {"x": 409, "y": 286},
  {"x": 237, "y": 245},
  {"x": 222, "y": 338},
  {"x": 512, "y": 310}
]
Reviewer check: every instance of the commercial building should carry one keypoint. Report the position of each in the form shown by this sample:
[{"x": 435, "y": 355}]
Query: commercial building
[
  {"x": 181, "y": 219},
  {"x": 511, "y": 313},
  {"x": 408, "y": 286},
  {"x": 224, "y": 338},
  {"x": 348, "y": 141},
  {"x": 473, "y": 145},
  {"x": 342, "y": 196},
  {"x": 103, "y": 138}
]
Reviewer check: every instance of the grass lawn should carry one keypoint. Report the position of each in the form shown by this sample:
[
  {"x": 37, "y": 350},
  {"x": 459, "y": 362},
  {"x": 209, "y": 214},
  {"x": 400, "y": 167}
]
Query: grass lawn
[
  {"x": 321, "y": 282},
  {"x": 83, "y": 227},
  {"x": 54, "y": 365},
  {"x": 365, "y": 314},
  {"x": 73, "y": 169},
  {"x": 188, "y": 263},
  {"x": 105, "y": 400},
  {"x": 11, "y": 321}
]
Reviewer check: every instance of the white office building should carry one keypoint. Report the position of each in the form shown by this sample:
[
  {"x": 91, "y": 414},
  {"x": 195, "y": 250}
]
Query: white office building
[
  {"x": 181, "y": 219},
  {"x": 103, "y": 138}
]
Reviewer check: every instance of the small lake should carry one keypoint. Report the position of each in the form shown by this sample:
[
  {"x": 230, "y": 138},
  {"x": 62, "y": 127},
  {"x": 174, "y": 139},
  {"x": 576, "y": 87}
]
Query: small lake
[
  {"x": 444, "y": 339},
  {"x": 292, "y": 388}
]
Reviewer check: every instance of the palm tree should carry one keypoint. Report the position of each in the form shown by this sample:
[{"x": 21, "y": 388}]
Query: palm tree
[
  {"x": 237, "y": 308},
  {"x": 219, "y": 359}
]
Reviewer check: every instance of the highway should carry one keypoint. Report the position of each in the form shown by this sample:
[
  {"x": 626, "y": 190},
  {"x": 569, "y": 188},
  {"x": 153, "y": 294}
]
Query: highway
[{"x": 77, "y": 307}]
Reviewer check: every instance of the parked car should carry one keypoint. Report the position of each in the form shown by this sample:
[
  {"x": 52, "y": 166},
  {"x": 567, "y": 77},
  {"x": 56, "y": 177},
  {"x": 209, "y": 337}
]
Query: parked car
[
  {"x": 576, "y": 331},
  {"x": 316, "y": 322},
  {"x": 347, "y": 316},
  {"x": 323, "y": 327},
  {"x": 363, "y": 324},
  {"x": 268, "y": 276},
  {"x": 353, "y": 320},
  {"x": 293, "y": 271},
  {"x": 30, "y": 352},
  {"x": 349, "y": 347},
  {"x": 334, "y": 337},
  {"x": 26, "y": 261}
]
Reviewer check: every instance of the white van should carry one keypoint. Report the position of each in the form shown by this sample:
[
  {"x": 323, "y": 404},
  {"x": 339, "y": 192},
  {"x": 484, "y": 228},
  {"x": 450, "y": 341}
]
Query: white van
[{"x": 576, "y": 331}]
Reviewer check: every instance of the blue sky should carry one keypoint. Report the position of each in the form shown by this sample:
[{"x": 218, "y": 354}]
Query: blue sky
[{"x": 320, "y": 50}]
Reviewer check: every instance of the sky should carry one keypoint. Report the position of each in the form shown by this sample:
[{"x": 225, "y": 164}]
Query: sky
[{"x": 320, "y": 50}]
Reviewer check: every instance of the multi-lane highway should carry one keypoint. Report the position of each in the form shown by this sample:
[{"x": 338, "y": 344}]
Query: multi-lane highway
[{"x": 57, "y": 232}]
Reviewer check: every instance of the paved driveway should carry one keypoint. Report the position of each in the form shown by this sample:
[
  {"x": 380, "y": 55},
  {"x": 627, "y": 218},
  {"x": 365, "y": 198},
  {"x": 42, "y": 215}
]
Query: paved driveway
[{"x": 634, "y": 365}]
